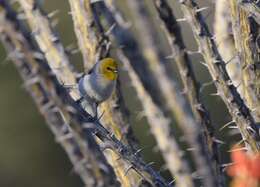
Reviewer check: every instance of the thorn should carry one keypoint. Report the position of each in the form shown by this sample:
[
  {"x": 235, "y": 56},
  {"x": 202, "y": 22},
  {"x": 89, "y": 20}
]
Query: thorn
[
  {"x": 75, "y": 51},
  {"x": 237, "y": 86},
  {"x": 224, "y": 166},
  {"x": 64, "y": 137},
  {"x": 204, "y": 64},
  {"x": 233, "y": 127},
  {"x": 237, "y": 149},
  {"x": 214, "y": 94},
  {"x": 170, "y": 56},
  {"x": 70, "y": 47},
  {"x": 240, "y": 142},
  {"x": 251, "y": 129},
  {"x": 216, "y": 61},
  {"x": 227, "y": 124},
  {"x": 140, "y": 115},
  {"x": 181, "y": 20},
  {"x": 138, "y": 151},
  {"x": 190, "y": 149},
  {"x": 230, "y": 60},
  {"x": 218, "y": 141},
  {"x": 149, "y": 164},
  {"x": 110, "y": 29},
  {"x": 162, "y": 168},
  {"x": 53, "y": 13},
  {"x": 202, "y": 9},
  {"x": 193, "y": 52},
  {"x": 103, "y": 167},
  {"x": 171, "y": 182},
  {"x": 128, "y": 169},
  {"x": 141, "y": 149},
  {"x": 102, "y": 114},
  {"x": 54, "y": 39},
  {"x": 39, "y": 55},
  {"x": 204, "y": 85},
  {"x": 195, "y": 175},
  {"x": 94, "y": 1}
]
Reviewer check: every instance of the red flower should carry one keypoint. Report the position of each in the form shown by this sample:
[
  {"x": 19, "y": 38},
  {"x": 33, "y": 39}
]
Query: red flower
[{"x": 245, "y": 169}]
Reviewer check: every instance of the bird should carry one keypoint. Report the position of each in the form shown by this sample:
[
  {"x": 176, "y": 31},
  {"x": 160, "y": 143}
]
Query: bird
[{"x": 98, "y": 84}]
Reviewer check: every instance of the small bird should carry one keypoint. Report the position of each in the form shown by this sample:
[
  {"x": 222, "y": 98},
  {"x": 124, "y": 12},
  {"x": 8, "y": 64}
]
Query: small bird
[{"x": 98, "y": 85}]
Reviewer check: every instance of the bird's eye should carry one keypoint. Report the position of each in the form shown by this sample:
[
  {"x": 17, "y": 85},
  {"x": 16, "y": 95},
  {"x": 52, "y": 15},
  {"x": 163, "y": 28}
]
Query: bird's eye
[{"x": 109, "y": 68}]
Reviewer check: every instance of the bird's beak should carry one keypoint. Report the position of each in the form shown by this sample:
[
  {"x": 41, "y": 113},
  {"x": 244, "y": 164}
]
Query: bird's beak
[{"x": 115, "y": 71}]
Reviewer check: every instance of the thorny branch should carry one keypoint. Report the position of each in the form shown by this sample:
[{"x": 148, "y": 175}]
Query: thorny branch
[
  {"x": 88, "y": 160},
  {"x": 93, "y": 46},
  {"x": 191, "y": 86},
  {"x": 176, "y": 103},
  {"x": 246, "y": 31},
  {"x": 103, "y": 151},
  {"x": 236, "y": 106},
  {"x": 160, "y": 127},
  {"x": 82, "y": 123}
]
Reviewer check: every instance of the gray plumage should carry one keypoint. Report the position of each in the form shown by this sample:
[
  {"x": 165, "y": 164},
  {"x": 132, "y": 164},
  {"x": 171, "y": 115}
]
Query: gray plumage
[{"x": 94, "y": 89}]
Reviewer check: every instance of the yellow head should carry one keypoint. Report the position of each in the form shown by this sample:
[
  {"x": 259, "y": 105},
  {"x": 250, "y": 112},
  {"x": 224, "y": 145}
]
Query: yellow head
[{"x": 109, "y": 68}]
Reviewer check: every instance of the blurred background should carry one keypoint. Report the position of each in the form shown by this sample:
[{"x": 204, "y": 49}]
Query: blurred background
[{"x": 29, "y": 154}]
